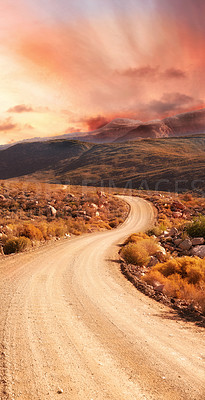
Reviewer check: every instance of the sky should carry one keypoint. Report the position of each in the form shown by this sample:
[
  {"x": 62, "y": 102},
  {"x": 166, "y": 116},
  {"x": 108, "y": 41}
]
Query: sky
[{"x": 74, "y": 65}]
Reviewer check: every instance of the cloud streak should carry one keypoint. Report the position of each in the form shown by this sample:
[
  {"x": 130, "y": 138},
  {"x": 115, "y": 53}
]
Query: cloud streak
[
  {"x": 101, "y": 59},
  {"x": 20, "y": 108}
]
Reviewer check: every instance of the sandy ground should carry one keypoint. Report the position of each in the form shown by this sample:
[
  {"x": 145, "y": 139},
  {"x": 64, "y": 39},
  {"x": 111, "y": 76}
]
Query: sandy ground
[{"x": 72, "y": 327}]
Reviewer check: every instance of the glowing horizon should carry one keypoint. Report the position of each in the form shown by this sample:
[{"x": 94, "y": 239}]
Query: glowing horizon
[{"x": 68, "y": 66}]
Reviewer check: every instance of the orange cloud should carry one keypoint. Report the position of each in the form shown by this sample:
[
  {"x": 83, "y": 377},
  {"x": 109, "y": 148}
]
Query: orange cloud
[
  {"x": 97, "y": 122},
  {"x": 7, "y": 125},
  {"x": 103, "y": 66}
]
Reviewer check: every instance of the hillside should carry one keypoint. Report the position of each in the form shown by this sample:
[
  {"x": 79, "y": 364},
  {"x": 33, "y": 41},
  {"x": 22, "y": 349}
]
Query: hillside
[
  {"x": 150, "y": 163},
  {"x": 27, "y": 158}
]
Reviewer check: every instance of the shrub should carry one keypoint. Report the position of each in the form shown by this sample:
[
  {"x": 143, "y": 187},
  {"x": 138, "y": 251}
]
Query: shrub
[
  {"x": 138, "y": 249},
  {"x": 30, "y": 231},
  {"x": 182, "y": 277},
  {"x": 136, "y": 237},
  {"x": 196, "y": 228},
  {"x": 16, "y": 245},
  {"x": 190, "y": 268},
  {"x": 134, "y": 253},
  {"x": 158, "y": 229},
  {"x": 150, "y": 245}
]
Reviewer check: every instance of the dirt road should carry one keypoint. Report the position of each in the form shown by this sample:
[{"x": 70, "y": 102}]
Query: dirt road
[{"x": 72, "y": 327}]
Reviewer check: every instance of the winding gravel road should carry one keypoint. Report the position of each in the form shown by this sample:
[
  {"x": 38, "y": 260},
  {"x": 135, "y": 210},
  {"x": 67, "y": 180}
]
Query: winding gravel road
[{"x": 72, "y": 327}]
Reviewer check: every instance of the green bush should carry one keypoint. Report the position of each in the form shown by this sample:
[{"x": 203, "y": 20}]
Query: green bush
[
  {"x": 196, "y": 228},
  {"x": 16, "y": 245},
  {"x": 157, "y": 230}
]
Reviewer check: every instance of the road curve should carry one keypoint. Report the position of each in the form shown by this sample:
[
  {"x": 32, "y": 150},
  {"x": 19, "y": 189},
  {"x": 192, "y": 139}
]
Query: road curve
[{"x": 72, "y": 327}]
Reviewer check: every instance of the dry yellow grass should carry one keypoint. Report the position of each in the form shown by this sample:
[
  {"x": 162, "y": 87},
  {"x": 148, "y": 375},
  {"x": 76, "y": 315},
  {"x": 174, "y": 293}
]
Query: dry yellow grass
[{"x": 182, "y": 277}]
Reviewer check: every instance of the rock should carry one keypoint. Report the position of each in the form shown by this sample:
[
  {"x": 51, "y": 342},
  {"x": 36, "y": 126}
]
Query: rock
[
  {"x": 178, "y": 205},
  {"x": 186, "y": 252},
  {"x": 93, "y": 205},
  {"x": 153, "y": 261},
  {"x": 165, "y": 233},
  {"x": 51, "y": 211},
  {"x": 173, "y": 232},
  {"x": 161, "y": 254},
  {"x": 198, "y": 251},
  {"x": 186, "y": 244},
  {"x": 177, "y": 214},
  {"x": 168, "y": 239},
  {"x": 169, "y": 247},
  {"x": 178, "y": 241},
  {"x": 87, "y": 218},
  {"x": 60, "y": 391},
  {"x": 197, "y": 241},
  {"x": 162, "y": 249},
  {"x": 158, "y": 286}
]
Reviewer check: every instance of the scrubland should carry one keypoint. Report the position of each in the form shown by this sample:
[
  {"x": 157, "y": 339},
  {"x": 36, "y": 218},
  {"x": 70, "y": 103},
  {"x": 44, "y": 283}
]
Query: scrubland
[
  {"x": 31, "y": 213},
  {"x": 171, "y": 256}
]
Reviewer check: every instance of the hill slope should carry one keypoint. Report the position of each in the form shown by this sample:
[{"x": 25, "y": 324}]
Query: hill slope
[
  {"x": 150, "y": 163},
  {"x": 27, "y": 158}
]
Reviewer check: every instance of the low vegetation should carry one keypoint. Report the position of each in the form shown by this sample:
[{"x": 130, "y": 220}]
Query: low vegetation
[
  {"x": 196, "y": 228},
  {"x": 181, "y": 278},
  {"x": 138, "y": 249},
  {"x": 170, "y": 256},
  {"x": 31, "y": 214},
  {"x": 151, "y": 164}
]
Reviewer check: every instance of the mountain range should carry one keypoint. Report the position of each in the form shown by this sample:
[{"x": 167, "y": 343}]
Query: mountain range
[{"x": 122, "y": 129}]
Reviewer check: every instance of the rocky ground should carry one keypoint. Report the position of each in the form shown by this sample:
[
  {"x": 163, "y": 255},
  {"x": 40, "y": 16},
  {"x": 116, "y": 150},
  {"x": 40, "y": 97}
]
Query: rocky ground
[
  {"x": 173, "y": 242},
  {"x": 43, "y": 212}
]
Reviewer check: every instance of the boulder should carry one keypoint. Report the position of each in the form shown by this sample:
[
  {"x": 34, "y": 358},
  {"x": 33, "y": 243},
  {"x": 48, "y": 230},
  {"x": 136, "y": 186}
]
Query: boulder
[
  {"x": 178, "y": 241},
  {"x": 186, "y": 244},
  {"x": 165, "y": 233},
  {"x": 153, "y": 261},
  {"x": 161, "y": 254},
  {"x": 197, "y": 241},
  {"x": 198, "y": 251},
  {"x": 173, "y": 232},
  {"x": 158, "y": 286},
  {"x": 51, "y": 211}
]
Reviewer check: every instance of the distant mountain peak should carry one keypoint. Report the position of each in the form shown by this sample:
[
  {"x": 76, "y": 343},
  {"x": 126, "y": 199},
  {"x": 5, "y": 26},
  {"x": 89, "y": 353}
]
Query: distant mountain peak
[{"x": 125, "y": 129}]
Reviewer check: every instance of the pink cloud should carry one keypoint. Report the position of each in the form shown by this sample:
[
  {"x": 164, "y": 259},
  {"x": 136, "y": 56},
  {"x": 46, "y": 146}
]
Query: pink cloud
[{"x": 21, "y": 108}]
